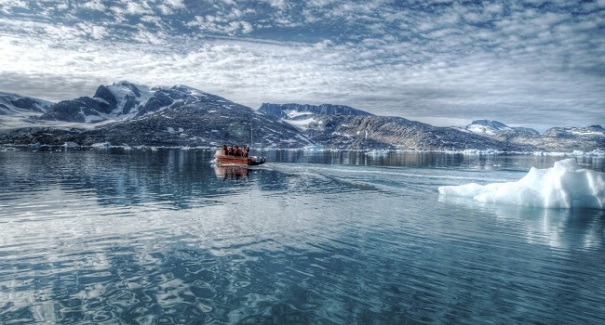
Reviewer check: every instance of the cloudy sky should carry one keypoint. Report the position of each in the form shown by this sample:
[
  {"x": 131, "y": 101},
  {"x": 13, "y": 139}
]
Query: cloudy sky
[{"x": 528, "y": 63}]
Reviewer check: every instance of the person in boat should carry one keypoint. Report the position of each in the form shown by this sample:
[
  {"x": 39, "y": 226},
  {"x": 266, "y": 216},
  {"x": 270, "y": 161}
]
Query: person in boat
[
  {"x": 245, "y": 151},
  {"x": 238, "y": 151},
  {"x": 224, "y": 150},
  {"x": 230, "y": 151}
]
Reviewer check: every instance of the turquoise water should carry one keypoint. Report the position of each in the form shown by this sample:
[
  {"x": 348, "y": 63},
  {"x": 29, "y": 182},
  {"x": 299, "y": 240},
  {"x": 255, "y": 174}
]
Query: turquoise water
[{"x": 309, "y": 238}]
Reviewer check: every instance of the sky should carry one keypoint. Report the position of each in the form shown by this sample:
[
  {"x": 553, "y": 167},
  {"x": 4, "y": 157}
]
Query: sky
[{"x": 531, "y": 63}]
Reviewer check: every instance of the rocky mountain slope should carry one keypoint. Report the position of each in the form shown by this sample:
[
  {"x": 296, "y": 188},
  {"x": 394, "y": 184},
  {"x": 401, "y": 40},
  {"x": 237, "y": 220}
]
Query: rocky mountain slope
[
  {"x": 339, "y": 127},
  {"x": 559, "y": 139},
  {"x": 297, "y": 112},
  {"x": 13, "y": 104},
  {"x": 121, "y": 101},
  {"x": 135, "y": 115},
  {"x": 488, "y": 127},
  {"x": 129, "y": 114}
]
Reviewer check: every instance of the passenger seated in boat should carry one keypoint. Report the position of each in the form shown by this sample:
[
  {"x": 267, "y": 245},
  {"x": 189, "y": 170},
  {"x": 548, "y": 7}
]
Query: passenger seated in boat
[
  {"x": 224, "y": 150},
  {"x": 238, "y": 151},
  {"x": 245, "y": 151},
  {"x": 230, "y": 151}
]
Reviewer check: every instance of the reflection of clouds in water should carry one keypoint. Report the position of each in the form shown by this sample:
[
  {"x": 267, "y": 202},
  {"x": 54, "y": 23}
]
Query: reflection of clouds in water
[{"x": 140, "y": 257}]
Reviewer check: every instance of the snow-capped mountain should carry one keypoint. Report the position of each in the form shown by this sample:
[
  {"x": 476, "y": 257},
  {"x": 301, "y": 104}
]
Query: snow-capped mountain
[
  {"x": 303, "y": 116},
  {"x": 121, "y": 101},
  {"x": 344, "y": 127},
  {"x": 13, "y": 104},
  {"x": 183, "y": 116},
  {"x": 554, "y": 139},
  {"x": 489, "y": 127},
  {"x": 576, "y": 132},
  {"x": 176, "y": 116},
  {"x": 298, "y": 111},
  {"x": 384, "y": 132}
]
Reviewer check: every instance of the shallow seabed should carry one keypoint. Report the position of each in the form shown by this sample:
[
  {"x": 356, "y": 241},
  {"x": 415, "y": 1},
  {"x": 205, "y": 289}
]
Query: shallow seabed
[{"x": 309, "y": 238}]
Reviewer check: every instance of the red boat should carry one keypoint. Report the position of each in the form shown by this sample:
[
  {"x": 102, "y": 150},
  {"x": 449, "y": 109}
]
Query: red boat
[{"x": 226, "y": 160}]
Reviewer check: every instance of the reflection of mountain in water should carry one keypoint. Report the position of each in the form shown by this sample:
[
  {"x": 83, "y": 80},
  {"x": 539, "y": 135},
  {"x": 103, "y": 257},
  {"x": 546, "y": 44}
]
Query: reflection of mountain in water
[
  {"x": 171, "y": 178},
  {"x": 121, "y": 178}
]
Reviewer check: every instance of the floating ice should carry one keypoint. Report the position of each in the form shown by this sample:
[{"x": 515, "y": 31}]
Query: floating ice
[
  {"x": 563, "y": 186},
  {"x": 101, "y": 145}
]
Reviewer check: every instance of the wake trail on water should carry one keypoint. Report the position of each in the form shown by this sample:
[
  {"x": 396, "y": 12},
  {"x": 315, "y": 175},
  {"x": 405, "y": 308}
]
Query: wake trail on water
[{"x": 398, "y": 180}]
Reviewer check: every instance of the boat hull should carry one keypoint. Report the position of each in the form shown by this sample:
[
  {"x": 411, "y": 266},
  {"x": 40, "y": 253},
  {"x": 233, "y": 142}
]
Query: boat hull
[{"x": 223, "y": 160}]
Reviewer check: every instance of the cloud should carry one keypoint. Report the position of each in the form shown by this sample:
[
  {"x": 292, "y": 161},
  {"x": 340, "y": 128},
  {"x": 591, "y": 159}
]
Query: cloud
[
  {"x": 175, "y": 3},
  {"x": 8, "y": 5},
  {"x": 135, "y": 8},
  {"x": 95, "y": 32},
  {"x": 518, "y": 62},
  {"x": 94, "y": 5},
  {"x": 279, "y": 4}
]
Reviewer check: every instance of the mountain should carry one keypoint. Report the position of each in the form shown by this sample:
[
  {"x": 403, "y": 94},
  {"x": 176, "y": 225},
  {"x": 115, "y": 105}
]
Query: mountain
[
  {"x": 138, "y": 115},
  {"x": 13, "y": 104},
  {"x": 301, "y": 112},
  {"x": 125, "y": 113},
  {"x": 558, "y": 139},
  {"x": 593, "y": 131},
  {"x": 488, "y": 127},
  {"x": 119, "y": 102},
  {"x": 206, "y": 121},
  {"x": 344, "y": 127},
  {"x": 385, "y": 132}
]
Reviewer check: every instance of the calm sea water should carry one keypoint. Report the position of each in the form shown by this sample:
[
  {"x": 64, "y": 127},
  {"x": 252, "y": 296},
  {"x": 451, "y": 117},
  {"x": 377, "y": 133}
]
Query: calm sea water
[{"x": 142, "y": 237}]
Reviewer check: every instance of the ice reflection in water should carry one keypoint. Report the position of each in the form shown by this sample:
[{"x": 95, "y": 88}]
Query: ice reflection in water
[{"x": 162, "y": 237}]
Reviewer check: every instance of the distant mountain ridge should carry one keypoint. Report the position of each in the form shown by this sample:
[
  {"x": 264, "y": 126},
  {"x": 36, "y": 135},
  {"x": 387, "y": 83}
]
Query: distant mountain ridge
[
  {"x": 301, "y": 111},
  {"x": 13, "y": 104},
  {"x": 183, "y": 116},
  {"x": 553, "y": 139},
  {"x": 495, "y": 127},
  {"x": 574, "y": 132},
  {"x": 119, "y": 102}
]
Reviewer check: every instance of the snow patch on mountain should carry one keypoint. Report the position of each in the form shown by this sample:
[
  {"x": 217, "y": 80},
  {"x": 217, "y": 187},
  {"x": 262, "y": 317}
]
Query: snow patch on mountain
[
  {"x": 304, "y": 116},
  {"x": 293, "y": 111},
  {"x": 13, "y": 104},
  {"x": 573, "y": 132},
  {"x": 124, "y": 101},
  {"x": 302, "y": 125},
  {"x": 489, "y": 127}
]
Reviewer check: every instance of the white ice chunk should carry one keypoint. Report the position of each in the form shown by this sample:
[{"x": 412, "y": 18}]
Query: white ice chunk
[
  {"x": 563, "y": 186},
  {"x": 101, "y": 145}
]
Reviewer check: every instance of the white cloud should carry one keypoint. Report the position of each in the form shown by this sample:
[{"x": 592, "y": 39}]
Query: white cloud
[
  {"x": 494, "y": 8},
  {"x": 279, "y": 4},
  {"x": 94, "y": 5},
  {"x": 502, "y": 60},
  {"x": 175, "y": 3},
  {"x": 134, "y": 8},
  {"x": 94, "y": 31},
  {"x": 151, "y": 19},
  {"x": 7, "y": 5}
]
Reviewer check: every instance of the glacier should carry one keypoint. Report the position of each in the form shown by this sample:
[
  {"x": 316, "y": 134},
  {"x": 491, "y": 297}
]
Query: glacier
[{"x": 565, "y": 185}]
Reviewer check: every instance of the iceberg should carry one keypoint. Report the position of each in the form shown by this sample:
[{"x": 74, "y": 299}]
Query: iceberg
[
  {"x": 563, "y": 186},
  {"x": 101, "y": 145}
]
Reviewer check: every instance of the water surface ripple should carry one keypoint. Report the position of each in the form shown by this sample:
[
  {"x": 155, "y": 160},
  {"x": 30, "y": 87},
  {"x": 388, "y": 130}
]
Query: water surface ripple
[{"x": 164, "y": 237}]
